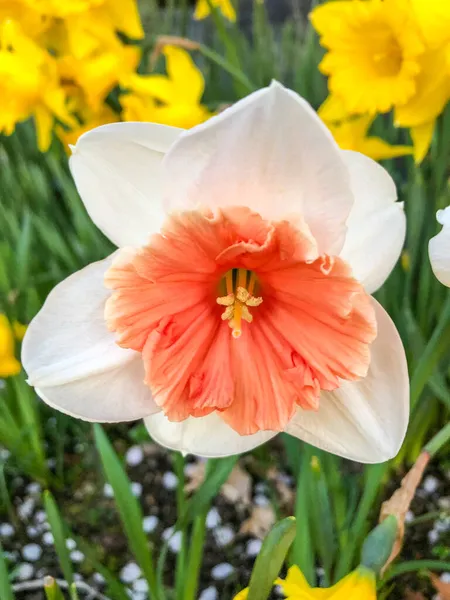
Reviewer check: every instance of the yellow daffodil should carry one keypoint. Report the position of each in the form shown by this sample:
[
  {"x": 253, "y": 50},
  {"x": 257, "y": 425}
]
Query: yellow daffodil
[
  {"x": 89, "y": 119},
  {"x": 359, "y": 585},
  {"x": 29, "y": 85},
  {"x": 433, "y": 17},
  {"x": 172, "y": 99},
  {"x": 9, "y": 365},
  {"x": 350, "y": 132},
  {"x": 202, "y": 9},
  {"x": 374, "y": 50}
]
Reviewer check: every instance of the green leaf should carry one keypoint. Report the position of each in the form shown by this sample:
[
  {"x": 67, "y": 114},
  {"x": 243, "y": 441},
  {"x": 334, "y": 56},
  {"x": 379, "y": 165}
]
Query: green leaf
[
  {"x": 378, "y": 545},
  {"x": 57, "y": 528},
  {"x": 6, "y": 592},
  {"x": 52, "y": 589},
  {"x": 127, "y": 505},
  {"x": 271, "y": 558}
]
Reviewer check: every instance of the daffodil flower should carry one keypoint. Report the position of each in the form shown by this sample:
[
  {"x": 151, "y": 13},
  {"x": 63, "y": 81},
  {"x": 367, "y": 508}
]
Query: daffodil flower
[
  {"x": 439, "y": 248},
  {"x": 237, "y": 305},
  {"x": 9, "y": 365},
  {"x": 202, "y": 9}
]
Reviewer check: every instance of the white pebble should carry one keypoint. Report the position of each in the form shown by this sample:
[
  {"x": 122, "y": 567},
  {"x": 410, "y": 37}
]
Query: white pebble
[
  {"x": 253, "y": 547},
  {"x": 430, "y": 484},
  {"x": 24, "y": 571},
  {"x": 445, "y": 577},
  {"x": 442, "y": 525},
  {"x": 409, "y": 517},
  {"x": 6, "y": 530},
  {"x": 138, "y": 596},
  {"x": 76, "y": 556},
  {"x": 4, "y": 453},
  {"x": 433, "y": 536},
  {"x": 98, "y": 578},
  {"x": 150, "y": 523},
  {"x": 210, "y": 593},
  {"x": 169, "y": 480},
  {"x": 175, "y": 542},
  {"x": 71, "y": 544},
  {"x": 134, "y": 456},
  {"x": 213, "y": 518},
  {"x": 260, "y": 488},
  {"x": 40, "y": 516},
  {"x": 32, "y": 532},
  {"x": 136, "y": 489},
  {"x": 261, "y": 500},
  {"x": 33, "y": 488},
  {"x": 77, "y": 577},
  {"x": 140, "y": 585},
  {"x": 108, "y": 491},
  {"x": 25, "y": 510},
  {"x": 130, "y": 572},
  {"x": 32, "y": 552},
  {"x": 167, "y": 533},
  {"x": 222, "y": 571},
  {"x": 48, "y": 539},
  {"x": 223, "y": 535}
]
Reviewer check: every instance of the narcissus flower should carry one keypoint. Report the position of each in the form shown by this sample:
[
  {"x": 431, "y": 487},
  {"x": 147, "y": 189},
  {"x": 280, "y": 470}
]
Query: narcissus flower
[
  {"x": 439, "y": 248},
  {"x": 9, "y": 365},
  {"x": 237, "y": 305},
  {"x": 359, "y": 585},
  {"x": 202, "y": 9},
  {"x": 374, "y": 50}
]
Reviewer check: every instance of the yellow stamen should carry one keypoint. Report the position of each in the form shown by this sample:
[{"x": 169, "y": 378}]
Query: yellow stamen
[{"x": 239, "y": 297}]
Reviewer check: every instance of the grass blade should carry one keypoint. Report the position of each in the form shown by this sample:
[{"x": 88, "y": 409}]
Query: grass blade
[
  {"x": 57, "y": 528},
  {"x": 6, "y": 592}
]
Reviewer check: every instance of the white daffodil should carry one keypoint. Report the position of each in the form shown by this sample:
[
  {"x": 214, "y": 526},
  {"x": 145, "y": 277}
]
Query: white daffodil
[
  {"x": 237, "y": 304},
  {"x": 439, "y": 248}
]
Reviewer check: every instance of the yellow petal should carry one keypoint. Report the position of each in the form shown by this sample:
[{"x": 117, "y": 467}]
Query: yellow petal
[
  {"x": 186, "y": 76},
  {"x": 358, "y": 585},
  {"x": 332, "y": 110},
  {"x": 421, "y": 136},
  {"x": 44, "y": 125},
  {"x": 433, "y": 17},
  {"x": 159, "y": 87},
  {"x": 378, "y": 149},
  {"x": 202, "y": 9},
  {"x": 19, "y": 330},
  {"x": 125, "y": 17},
  {"x": 9, "y": 367},
  {"x": 242, "y": 595}
]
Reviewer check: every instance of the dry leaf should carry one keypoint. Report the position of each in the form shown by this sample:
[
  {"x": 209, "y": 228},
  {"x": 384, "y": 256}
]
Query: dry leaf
[
  {"x": 237, "y": 488},
  {"x": 399, "y": 503},
  {"x": 260, "y": 522},
  {"x": 286, "y": 493},
  {"x": 170, "y": 40},
  {"x": 443, "y": 589}
]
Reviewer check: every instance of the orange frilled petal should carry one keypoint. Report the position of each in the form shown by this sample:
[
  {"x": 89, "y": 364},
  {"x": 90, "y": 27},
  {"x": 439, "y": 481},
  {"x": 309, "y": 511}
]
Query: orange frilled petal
[{"x": 313, "y": 327}]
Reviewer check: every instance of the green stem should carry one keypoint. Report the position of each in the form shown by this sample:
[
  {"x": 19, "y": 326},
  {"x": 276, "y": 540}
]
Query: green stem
[
  {"x": 439, "y": 440},
  {"x": 434, "y": 351},
  {"x": 234, "y": 71},
  {"x": 415, "y": 565},
  {"x": 181, "y": 506}
]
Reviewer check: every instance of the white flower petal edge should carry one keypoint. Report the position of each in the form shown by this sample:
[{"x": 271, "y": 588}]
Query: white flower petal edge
[
  {"x": 270, "y": 152},
  {"x": 117, "y": 171},
  {"x": 364, "y": 420},
  {"x": 208, "y": 436},
  {"x": 439, "y": 248},
  {"x": 73, "y": 361},
  {"x": 376, "y": 225}
]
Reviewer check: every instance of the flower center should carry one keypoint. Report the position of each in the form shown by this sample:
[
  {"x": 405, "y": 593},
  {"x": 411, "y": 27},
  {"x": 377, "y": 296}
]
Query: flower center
[
  {"x": 239, "y": 285},
  {"x": 386, "y": 59}
]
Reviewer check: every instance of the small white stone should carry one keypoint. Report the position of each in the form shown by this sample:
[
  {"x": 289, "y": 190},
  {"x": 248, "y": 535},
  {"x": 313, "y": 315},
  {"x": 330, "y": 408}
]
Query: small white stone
[
  {"x": 6, "y": 530},
  {"x": 445, "y": 577},
  {"x": 134, "y": 456},
  {"x": 136, "y": 489},
  {"x": 260, "y": 488},
  {"x": 213, "y": 518},
  {"x": 130, "y": 572},
  {"x": 25, "y": 510},
  {"x": 150, "y": 523},
  {"x": 140, "y": 585},
  {"x": 222, "y": 571},
  {"x": 71, "y": 544},
  {"x": 433, "y": 536},
  {"x": 32, "y": 552},
  {"x": 24, "y": 571},
  {"x": 430, "y": 484},
  {"x": 223, "y": 535},
  {"x": 76, "y": 556},
  {"x": 108, "y": 491},
  {"x": 442, "y": 525},
  {"x": 138, "y": 596},
  {"x": 175, "y": 542},
  {"x": 32, "y": 532},
  {"x": 210, "y": 593},
  {"x": 253, "y": 547},
  {"x": 98, "y": 578},
  {"x": 51, "y": 462},
  {"x": 40, "y": 516},
  {"x": 261, "y": 500},
  {"x": 167, "y": 533},
  {"x": 4, "y": 453},
  {"x": 48, "y": 539},
  {"x": 77, "y": 577},
  {"x": 169, "y": 480},
  {"x": 409, "y": 517},
  {"x": 33, "y": 488}
]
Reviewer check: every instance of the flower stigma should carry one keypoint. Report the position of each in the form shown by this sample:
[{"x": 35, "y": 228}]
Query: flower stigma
[{"x": 239, "y": 297}]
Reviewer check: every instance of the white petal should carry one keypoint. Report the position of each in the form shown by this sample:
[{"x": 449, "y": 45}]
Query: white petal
[
  {"x": 206, "y": 436},
  {"x": 365, "y": 420},
  {"x": 271, "y": 152},
  {"x": 439, "y": 248},
  {"x": 72, "y": 359},
  {"x": 377, "y": 223},
  {"x": 117, "y": 171}
]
